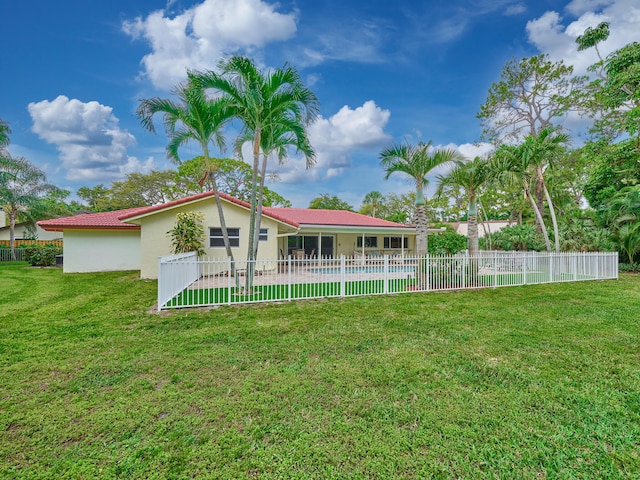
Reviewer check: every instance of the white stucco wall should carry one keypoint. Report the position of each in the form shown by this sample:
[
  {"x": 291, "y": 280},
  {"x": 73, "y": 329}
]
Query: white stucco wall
[
  {"x": 20, "y": 232},
  {"x": 101, "y": 250},
  {"x": 491, "y": 227}
]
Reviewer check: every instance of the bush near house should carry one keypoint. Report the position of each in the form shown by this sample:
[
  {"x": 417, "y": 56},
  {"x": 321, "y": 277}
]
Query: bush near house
[
  {"x": 447, "y": 243},
  {"x": 42, "y": 255}
]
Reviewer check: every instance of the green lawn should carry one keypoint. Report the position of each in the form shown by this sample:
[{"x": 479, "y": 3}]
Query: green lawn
[{"x": 526, "y": 382}]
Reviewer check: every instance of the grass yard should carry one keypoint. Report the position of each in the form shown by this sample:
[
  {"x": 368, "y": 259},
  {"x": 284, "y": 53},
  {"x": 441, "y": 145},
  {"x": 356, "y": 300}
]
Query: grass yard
[{"x": 526, "y": 382}]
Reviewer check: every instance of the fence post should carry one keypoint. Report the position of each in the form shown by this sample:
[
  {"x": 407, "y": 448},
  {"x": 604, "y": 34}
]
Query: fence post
[
  {"x": 551, "y": 267},
  {"x": 229, "y": 280},
  {"x": 495, "y": 268},
  {"x": 575, "y": 266},
  {"x": 159, "y": 282},
  {"x": 597, "y": 272},
  {"x": 342, "y": 275},
  {"x": 289, "y": 277},
  {"x": 524, "y": 268},
  {"x": 385, "y": 288}
]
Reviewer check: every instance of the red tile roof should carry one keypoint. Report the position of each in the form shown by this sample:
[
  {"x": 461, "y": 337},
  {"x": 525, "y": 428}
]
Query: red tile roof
[
  {"x": 343, "y": 218},
  {"x": 291, "y": 216},
  {"x": 92, "y": 221}
]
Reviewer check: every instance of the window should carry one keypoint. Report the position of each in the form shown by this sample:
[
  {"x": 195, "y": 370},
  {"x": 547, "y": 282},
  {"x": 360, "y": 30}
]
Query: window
[
  {"x": 264, "y": 234},
  {"x": 396, "y": 242},
  {"x": 369, "y": 242},
  {"x": 216, "y": 239}
]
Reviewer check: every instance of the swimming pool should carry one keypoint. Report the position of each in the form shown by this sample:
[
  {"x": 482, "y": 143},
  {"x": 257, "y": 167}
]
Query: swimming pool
[{"x": 356, "y": 270}]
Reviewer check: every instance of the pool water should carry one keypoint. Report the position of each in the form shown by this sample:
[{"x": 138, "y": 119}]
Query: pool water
[{"x": 356, "y": 270}]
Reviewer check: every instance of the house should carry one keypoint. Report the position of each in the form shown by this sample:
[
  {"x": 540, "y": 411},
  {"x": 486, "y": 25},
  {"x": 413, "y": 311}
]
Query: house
[
  {"x": 490, "y": 226},
  {"x": 21, "y": 232},
  {"x": 133, "y": 239}
]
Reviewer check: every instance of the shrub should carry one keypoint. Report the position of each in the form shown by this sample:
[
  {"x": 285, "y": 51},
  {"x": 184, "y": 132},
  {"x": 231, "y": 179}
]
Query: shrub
[
  {"x": 447, "y": 243},
  {"x": 629, "y": 267},
  {"x": 42, "y": 255},
  {"x": 187, "y": 235},
  {"x": 518, "y": 237}
]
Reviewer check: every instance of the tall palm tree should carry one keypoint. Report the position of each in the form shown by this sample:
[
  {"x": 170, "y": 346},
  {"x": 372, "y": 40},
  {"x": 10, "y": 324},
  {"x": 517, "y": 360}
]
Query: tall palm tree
[
  {"x": 528, "y": 162},
  {"x": 542, "y": 150},
  {"x": 416, "y": 162},
  {"x": 193, "y": 118},
  {"x": 22, "y": 187},
  {"x": 274, "y": 107},
  {"x": 509, "y": 166},
  {"x": 275, "y": 139},
  {"x": 470, "y": 176}
]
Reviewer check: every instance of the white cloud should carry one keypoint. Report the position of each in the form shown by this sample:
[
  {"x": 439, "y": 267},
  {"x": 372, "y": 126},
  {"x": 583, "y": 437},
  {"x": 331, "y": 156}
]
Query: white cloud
[
  {"x": 515, "y": 9},
  {"x": 473, "y": 150},
  {"x": 578, "y": 7},
  {"x": 199, "y": 36},
  {"x": 550, "y": 35},
  {"x": 91, "y": 144},
  {"x": 336, "y": 138},
  {"x": 360, "y": 41}
]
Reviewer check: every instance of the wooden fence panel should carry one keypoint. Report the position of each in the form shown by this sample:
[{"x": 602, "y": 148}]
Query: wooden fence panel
[{"x": 18, "y": 243}]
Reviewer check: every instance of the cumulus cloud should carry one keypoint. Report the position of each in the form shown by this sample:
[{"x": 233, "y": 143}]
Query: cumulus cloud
[
  {"x": 473, "y": 150},
  {"x": 200, "y": 35},
  {"x": 557, "y": 38},
  {"x": 91, "y": 144},
  {"x": 336, "y": 139}
]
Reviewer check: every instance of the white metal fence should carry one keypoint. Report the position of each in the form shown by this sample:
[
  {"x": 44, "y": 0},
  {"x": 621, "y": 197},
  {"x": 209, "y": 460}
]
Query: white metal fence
[
  {"x": 11, "y": 254},
  {"x": 178, "y": 273},
  {"x": 187, "y": 281}
]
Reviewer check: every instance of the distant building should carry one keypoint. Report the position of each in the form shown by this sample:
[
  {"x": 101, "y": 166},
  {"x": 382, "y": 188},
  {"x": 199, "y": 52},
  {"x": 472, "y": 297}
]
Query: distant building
[{"x": 491, "y": 226}]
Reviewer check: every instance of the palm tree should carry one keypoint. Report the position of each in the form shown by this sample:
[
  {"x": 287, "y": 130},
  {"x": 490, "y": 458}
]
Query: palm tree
[
  {"x": 470, "y": 176},
  {"x": 4, "y": 135},
  {"x": 274, "y": 107},
  {"x": 508, "y": 166},
  {"x": 541, "y": 151},
  {"x": 623, "y": 217},
  {"x": 274, "y": 139},
  {"x": 194, "y": 118},
  {"x": 527, "y": 163},
  {"x": 22, "y": 187},
  {"x": 371, "y": 203},
  {"x": 416, "y": 162}
]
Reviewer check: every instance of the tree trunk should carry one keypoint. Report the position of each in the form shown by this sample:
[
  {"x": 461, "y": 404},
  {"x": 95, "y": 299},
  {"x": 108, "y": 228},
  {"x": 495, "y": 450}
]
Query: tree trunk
[
  {"x": 472, "y": 227},
  {"x": 552, "y": 210},
  {"x": 422, "y": 247},
  {"x": 263, "y": 173},
  {"x": 12, "y": 229},
  {"x": 538, "y": 187},
  {"x": 538, "y": 217},
  {"x": 223, "y": 223},
  {"x": 252, "y": 213},
  {"x": 554, "y": 220},
  {"x": 422, "y": 241}
]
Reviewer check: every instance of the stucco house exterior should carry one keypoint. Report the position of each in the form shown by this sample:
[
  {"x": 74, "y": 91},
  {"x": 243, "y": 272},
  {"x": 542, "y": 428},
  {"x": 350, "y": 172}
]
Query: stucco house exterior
[
  {"x": 21, "y": 233},
  {"x": 133, "y": 239},
  {"x": 490, "y": 226}
]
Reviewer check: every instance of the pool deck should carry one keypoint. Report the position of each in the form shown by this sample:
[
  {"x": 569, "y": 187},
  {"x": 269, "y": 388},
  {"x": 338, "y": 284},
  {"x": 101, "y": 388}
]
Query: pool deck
[{"x": 303, "y": 273}]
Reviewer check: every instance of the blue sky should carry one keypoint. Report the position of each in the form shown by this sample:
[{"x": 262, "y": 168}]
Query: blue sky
[{"x": 73, "y": 73}]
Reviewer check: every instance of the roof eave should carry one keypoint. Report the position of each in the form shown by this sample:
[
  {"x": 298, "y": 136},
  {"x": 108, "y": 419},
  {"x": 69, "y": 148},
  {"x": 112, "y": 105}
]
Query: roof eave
[{"x": 355, "y": 229}]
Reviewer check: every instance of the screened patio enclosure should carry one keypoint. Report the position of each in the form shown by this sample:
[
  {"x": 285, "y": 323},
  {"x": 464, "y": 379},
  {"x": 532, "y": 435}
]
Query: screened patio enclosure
[
  {"x": 332, "y": 242},
  {"x": 309, "y": 243}
]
